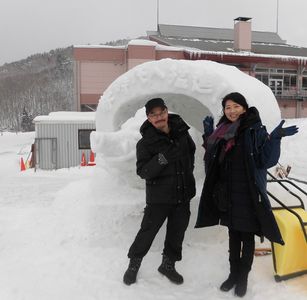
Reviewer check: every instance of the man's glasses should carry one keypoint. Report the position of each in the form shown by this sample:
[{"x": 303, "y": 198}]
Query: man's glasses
[{"x": 156, "y": 115}]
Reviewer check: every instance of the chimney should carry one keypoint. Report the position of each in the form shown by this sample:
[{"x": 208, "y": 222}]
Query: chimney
[{"x": 242, "y": 34}]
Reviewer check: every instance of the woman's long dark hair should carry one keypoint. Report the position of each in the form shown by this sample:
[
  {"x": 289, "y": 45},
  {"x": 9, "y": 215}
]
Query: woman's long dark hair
[{"x": 235, "y": 97}]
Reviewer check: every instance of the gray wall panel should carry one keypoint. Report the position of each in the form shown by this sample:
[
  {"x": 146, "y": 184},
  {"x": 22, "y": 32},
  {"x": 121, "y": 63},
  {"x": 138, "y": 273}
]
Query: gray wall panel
[{"x": 67, "y": 152}]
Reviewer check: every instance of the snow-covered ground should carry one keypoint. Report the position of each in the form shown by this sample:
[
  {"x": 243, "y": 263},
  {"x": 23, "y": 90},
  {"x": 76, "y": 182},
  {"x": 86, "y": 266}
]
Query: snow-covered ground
[{"x": 65, "y": 235}]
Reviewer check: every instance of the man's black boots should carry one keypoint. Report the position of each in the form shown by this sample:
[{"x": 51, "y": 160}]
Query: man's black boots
[
  {"x": 132, "y": 271},
  {"x": 167, "y": 268}
]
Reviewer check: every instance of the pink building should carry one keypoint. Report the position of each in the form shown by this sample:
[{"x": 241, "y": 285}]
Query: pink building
[
  {"x": 263, "y": 55},
  {"x": 97, "y": 67}
]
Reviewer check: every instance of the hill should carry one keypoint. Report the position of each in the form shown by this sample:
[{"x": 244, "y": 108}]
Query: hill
[{"x": 36, "y": 85}]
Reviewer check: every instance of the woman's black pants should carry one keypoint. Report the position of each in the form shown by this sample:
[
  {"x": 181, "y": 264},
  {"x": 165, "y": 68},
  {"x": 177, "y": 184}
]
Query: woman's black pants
[{"x": 241, "y": 251}]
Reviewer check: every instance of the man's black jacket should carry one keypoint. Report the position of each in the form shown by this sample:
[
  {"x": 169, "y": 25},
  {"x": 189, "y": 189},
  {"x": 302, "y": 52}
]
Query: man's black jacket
[{"x": 169, "y": 181}]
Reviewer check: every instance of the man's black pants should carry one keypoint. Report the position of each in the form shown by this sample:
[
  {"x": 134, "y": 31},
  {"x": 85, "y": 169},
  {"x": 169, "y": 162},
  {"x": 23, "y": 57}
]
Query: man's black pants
[{"x": 154, "y": 216}]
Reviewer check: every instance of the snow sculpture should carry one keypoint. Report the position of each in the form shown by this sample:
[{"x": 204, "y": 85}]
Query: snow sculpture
[{"x": 192, "y": 89}]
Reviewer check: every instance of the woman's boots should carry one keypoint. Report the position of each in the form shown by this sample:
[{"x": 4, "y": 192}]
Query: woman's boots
[
  {"x": 229, "y": 283},
  {"x": 238, "y": 279},
  {"x": 241, "y": 255},
  {"x": 241, "y": 285}
]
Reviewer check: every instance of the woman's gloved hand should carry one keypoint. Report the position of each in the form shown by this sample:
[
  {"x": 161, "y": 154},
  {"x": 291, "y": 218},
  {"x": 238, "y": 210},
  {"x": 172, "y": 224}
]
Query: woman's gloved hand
[
  {"x": 280, "y": 131},
  {"x": 208, "y": 125}
]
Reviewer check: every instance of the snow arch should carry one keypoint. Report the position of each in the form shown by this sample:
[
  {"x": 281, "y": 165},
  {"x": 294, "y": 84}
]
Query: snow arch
[
  {"x": 193, "y": 89},
  {"x": 190, "y": 88}
]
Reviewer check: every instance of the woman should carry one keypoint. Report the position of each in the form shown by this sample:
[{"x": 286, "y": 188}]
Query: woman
[{"x": 238, "y": 153}]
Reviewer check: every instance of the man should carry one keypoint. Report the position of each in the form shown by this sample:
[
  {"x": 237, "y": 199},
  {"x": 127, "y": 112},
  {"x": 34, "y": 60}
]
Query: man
[{"x": 165, "y": 159}]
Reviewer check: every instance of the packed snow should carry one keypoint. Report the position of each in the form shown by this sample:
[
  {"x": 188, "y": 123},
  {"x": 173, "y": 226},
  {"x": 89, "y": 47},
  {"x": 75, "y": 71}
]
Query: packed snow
[{"x": 65, "y": 233}]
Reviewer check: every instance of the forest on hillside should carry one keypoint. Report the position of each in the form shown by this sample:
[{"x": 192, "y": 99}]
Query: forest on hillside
[
  {"x": 35, "y": 86},
  {"x": 38, "y": 85}
]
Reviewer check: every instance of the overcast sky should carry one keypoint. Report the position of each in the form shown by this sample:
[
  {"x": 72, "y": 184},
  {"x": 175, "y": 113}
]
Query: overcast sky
[{"x": 33, "y": 26}]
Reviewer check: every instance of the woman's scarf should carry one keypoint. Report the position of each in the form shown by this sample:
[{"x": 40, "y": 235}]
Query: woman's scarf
[{"x": 227, "y": 132}]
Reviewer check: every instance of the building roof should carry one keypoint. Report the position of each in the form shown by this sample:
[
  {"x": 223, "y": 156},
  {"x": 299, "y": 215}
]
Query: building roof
[
  {"x": 67, "y": 117},
  {"x": 221, "y": 40},
  {"x": 210, "y": 33}
]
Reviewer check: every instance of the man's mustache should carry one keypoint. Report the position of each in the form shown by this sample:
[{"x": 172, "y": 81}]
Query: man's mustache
[{"x": 162, "y": 120}]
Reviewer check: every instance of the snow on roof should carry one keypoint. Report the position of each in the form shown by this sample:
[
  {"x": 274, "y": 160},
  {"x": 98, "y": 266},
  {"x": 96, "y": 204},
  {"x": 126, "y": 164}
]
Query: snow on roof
[
  {"x": 168, "y": 48},
  {"x": 133, "y": 42},
  {"x": 198, "y": 52},
  {"x": 245, "y": 53},
  {"x": 141, "y": 42},
  {"x": 98, "y": 46},
  {"x": 184, "y": 31},
  {"x": 66, "y": 117}
]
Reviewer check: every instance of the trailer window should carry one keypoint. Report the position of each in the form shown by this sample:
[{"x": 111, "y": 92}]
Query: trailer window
[{"x": 84, "y": 138}]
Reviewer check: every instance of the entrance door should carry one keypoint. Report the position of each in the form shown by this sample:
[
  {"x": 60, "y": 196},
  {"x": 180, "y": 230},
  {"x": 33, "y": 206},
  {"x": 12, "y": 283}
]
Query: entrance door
[
  {"x": 46, "y": 153},
  {"x": 276, "y": 86}
]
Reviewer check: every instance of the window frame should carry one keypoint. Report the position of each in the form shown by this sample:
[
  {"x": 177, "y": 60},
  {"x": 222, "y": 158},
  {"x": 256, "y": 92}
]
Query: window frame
[{"x": 81, "y": 146}]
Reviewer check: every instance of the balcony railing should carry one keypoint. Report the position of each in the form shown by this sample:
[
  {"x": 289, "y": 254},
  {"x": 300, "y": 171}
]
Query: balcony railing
[{"x": 290, "y": 94}]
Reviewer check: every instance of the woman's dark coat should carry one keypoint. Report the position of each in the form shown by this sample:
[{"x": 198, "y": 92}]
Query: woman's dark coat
[
  {"x": 261, "y": 153},
  {"x": 172, "y": 182}
]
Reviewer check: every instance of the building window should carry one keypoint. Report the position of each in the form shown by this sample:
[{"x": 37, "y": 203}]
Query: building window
[
  {"x": 276, "y": 85},
  {"x": 304, "y": 83},
  {"x": 88, "y": 107},
  {"x": 289, "y": 81},
  {"x": 263, "y": 78},
  {"x": 84, "y": 138},
  {"x": 280, "y": 81}
]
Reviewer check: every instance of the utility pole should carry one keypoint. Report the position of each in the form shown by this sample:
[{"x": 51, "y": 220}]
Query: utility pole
[
  {"x": 277, "y": 13},
  {"x": 157, "y": 15}
]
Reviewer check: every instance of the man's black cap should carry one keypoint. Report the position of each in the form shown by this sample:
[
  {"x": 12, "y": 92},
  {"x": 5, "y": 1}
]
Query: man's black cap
[{"x": 152, "y": 103}]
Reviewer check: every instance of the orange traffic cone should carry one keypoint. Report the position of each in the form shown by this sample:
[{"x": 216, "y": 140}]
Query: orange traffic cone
[
  {"x": 83, "y": 161},
  {"x": 92, "y": 159},
  {"x": 22, "y": 165},
  {"x": 30, "y": 162}
]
